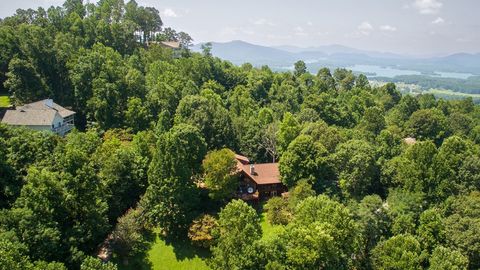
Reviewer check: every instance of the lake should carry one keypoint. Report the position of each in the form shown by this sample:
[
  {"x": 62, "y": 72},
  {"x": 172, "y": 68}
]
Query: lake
[{"x": 392, "y": 72}]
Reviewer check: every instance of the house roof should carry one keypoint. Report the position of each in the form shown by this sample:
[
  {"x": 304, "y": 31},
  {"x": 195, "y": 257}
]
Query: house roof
[
  {"x": 40, "y": 113},
  {"x": 410, "y": 140},
  {"x": 29, "y": 118},
  {"x": 171, "y": 44},
  {"x": 42, "y": 105},
  {"x": 264, "y": 174},
  {"x": 242, "y": 159}
]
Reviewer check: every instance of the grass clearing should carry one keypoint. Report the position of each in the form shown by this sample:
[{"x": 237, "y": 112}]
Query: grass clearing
[
  {"x": 268, "y": 230},
  {"x": 452, "y": 93},
  {"x": 4, "y": 101},
  {"x": 163, "y": 255},
  {"x": 181, "y": 255}
]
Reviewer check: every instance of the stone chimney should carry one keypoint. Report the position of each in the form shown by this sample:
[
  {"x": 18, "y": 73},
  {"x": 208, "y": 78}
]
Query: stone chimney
[{"x": 252, "y": 169}]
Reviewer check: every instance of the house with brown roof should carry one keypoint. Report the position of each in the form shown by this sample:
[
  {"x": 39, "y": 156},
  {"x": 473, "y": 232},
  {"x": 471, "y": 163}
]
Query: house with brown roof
[
  {"x": 410, "y": 141},
  {"x": 174, "y": 45},
  {"x": 41, "y": 115},
  {"x": 258, "y": 181}
]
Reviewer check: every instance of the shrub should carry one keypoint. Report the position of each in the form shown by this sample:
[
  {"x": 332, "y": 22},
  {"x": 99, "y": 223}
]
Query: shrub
[{"x": 201, "y": 231}]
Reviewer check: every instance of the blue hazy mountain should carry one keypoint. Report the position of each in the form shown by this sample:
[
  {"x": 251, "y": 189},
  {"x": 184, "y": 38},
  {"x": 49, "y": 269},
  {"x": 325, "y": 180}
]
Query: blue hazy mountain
[
  {"x": 283, "y": 57},
  {"x": 240, "y": 52},
  {"x": 338, "y": 49}
]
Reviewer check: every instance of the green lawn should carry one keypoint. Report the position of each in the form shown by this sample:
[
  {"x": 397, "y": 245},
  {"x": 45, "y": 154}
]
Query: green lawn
[
  {"x": 180, "y": 255},
  {"x": 4, "y": 101},
  {"x": 169, "y": 256},
  {"x": 268, "y": 229}
]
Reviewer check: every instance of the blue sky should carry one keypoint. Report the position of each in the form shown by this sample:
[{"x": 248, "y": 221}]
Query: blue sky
[{"x": 419, "y": 27}]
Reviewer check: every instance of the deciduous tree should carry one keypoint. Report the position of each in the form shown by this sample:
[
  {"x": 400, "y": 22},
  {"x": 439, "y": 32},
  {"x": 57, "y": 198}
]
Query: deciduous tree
[
  {"x": 239, "y": 229},
  {"x": 219, "y": 168}
]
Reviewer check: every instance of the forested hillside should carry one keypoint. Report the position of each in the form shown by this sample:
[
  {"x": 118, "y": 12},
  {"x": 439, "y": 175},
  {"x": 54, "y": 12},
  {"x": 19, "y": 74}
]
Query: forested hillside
[{"x": 376, "y": 180}]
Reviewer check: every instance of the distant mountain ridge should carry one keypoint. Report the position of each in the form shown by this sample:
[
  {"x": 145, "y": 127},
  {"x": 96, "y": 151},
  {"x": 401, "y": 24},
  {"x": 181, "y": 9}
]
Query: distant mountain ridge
[
  {"x": 283, "y": 57},
  {"x": 336, "y": 48},
  {"x": 240, "y": 52}
]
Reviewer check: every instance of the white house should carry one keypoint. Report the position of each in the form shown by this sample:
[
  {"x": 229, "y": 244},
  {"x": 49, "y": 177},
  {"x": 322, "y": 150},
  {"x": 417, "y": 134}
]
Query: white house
[{"x": 41, "y": 115}]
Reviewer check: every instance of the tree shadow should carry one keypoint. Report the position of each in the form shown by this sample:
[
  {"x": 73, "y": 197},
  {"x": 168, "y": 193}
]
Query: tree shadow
[
  {"x": 140, "y": 261},
  {"x": 183, "y": 249}
]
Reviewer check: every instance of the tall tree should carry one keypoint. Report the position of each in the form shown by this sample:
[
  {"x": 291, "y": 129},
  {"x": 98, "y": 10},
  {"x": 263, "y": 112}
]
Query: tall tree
[
  {"x": 219, "y": 168},
  {"x": 344, "y": 79},
  {"x": 461, "y": 225},
  {"x": 357, "y": 171},
  {"x": 300, "y": 68},
  {"x": 371, "y": 215},
  {"x": 288, "y": 130},
  {"x": 447, "y": 258},
  {"x": 24, "y": 83},
  {"x": 239, "y": 228},
  {"x": 170, "y": 198},
  {"x": 324, "y": 235},
  {"x": 211, "y": 118},
  {"x": 427, "y": 124},
  {"x": 373, "y": 120},
  {"x": 398, "y": 252},
  {"x": 304, "y": 159}
]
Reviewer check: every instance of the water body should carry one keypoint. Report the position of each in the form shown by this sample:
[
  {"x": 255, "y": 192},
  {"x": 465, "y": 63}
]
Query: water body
[
  {"x": 455, "y": 75},
  {"x": 390, "y": 72}
]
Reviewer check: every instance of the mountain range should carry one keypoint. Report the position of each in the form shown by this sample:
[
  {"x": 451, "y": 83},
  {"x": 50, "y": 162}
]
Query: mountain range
[{"x": 334, "y": 56}]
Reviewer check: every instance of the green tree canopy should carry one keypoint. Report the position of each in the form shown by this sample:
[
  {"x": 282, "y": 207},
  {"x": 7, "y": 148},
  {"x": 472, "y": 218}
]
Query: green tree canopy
[
  {"x": 239, "y": 228},
  {"x": 303, "y": 159},
  {"x": 209, "y": 116},
  {"x": 398, "y": 252},
  {"x": 445, "y": 258},
  {"x": 357, "y": 171},
  {"x": 219, "y": 168}
]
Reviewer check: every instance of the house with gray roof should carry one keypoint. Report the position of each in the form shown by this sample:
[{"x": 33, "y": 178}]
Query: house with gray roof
[{"x": 41, "y": 115}]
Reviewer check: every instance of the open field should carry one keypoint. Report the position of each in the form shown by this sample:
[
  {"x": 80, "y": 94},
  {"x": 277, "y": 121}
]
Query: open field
[
  {"x": 447, "y": 94},
  {"x": 451, "y": 93}
]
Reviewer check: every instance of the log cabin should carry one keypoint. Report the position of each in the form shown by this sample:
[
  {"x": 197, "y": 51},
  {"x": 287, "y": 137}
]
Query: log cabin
[{"x": 258, "y": 181}]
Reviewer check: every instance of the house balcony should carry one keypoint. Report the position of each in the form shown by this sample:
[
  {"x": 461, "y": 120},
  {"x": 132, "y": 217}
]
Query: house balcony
[
  {"x": 248, "y": 197},
  {"x": 63, "y": 129}
]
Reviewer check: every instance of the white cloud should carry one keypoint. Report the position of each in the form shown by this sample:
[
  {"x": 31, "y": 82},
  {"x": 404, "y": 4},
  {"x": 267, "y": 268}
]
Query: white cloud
[
  {"x": 310, "y": 23},
  {"x": 388, "y": 28},
  {"x": 248, "y": 31},
  {"x": 428, "y": 6},
  {"x": 235, "y": 31},
  {"x": 280, "y": 37},
  {"x": 168, "y": 12},
  {"x": 438, "y": 20},
  {"x": 462, "y": 40},
  {"x": 300, "y": 31},
  {"x": 365, "y": 28},
  {"x": 326, "y": 33},
  {"x": 263, "y": 21}
]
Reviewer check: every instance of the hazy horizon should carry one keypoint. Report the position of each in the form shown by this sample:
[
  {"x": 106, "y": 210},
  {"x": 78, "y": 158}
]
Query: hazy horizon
[{"x": 409, "y": 27}]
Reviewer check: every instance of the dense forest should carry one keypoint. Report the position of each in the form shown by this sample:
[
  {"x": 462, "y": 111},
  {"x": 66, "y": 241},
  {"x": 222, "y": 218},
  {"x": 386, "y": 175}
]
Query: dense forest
[{"x": 154, "y": 150}]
